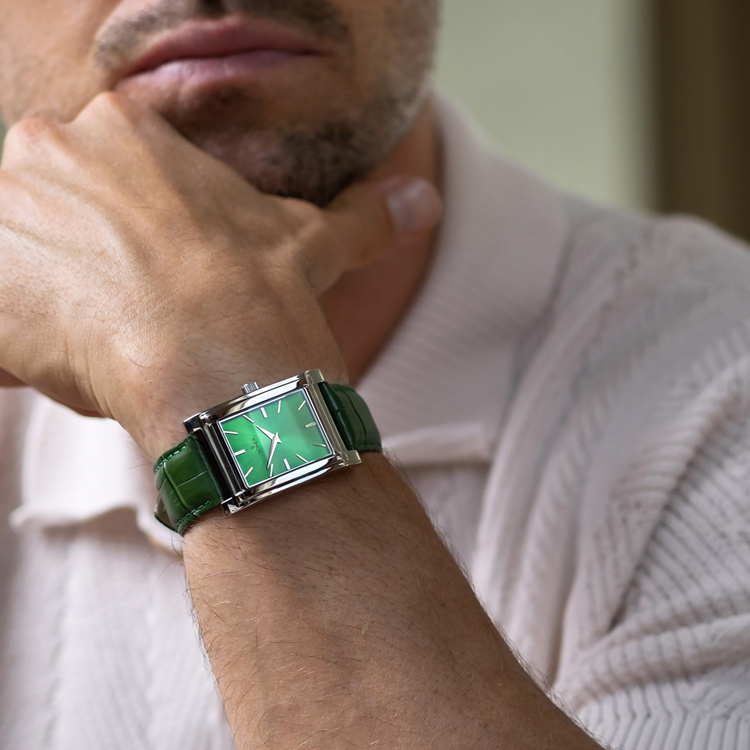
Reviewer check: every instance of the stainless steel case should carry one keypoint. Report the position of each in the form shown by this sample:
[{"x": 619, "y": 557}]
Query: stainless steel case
[{"x": 207, "y": 424}]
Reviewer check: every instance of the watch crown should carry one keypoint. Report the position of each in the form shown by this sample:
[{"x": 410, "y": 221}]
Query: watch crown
[{"x": 248, "y": 388}]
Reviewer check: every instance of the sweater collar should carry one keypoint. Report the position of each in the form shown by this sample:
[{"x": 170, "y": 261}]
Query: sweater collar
[{"x": 492, "y": 275}]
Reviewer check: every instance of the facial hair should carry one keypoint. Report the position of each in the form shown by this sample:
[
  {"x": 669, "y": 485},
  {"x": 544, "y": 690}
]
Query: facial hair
[{"x": 309, "y": 159}]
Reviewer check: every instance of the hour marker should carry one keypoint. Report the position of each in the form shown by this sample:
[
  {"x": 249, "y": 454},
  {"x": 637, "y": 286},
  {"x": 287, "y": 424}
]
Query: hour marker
[
  {"x": 286, "y": 463},
  {"x": 271, "y": 474},
  {"x": 248, "y": 471},
  {"x": 239, "y": 453},
  {"x": 248, "y": 419},
  {"x": 229, "y": 432},
  {"x": 320, "y": 445},
  {"x": 312, "y": 424},
  {"x": 302, "y": 458},
  {"x": 301, "y": 405},
  {"x": 278, "y": 411},
  {"x": 263, "y": 412}
]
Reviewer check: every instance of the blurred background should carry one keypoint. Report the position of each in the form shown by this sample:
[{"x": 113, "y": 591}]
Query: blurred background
[
  {"x": 638, "y": 103},
  {"x": 634, "y": 103},
  {"x": 564, "y": 86}
]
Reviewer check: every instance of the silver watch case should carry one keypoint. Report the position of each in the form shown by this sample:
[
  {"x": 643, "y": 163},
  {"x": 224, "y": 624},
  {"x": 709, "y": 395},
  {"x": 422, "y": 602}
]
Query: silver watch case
[{"x": 206, "y": 423}]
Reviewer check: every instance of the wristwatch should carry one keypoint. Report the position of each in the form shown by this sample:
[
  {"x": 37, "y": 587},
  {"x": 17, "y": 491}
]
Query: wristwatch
[{"x": 261, "y": 443}]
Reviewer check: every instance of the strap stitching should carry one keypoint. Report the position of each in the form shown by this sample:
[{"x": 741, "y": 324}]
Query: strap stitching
[
  {"x": 166, "y": 457},
  {"x": 195, "y": 511}
]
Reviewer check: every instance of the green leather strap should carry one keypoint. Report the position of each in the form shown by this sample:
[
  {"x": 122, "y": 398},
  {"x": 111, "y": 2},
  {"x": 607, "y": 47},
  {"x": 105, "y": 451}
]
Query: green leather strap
[
  {"x": 189, "y": 484},
  {"x": 352, "y": 417}
]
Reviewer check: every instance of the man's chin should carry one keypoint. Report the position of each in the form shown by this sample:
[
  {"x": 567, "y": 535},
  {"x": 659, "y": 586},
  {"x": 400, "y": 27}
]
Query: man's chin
[
  {"x": 288, "y": 146},
  {"x": 311, "y": 165}
]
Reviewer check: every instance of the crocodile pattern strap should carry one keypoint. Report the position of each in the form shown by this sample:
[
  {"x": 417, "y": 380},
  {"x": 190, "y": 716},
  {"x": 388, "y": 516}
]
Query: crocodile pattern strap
[
  {"x": 187, "y": 484},
  {"x": 352, "y": 417}
]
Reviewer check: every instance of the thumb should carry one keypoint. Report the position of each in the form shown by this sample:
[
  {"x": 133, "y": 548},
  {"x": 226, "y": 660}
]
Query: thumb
[{"x": 370, "y": 218}]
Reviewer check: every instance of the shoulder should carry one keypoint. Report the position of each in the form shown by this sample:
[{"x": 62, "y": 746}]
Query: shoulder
[
  {"x": 638, "y": 301},
  {"x": 627, "y": 379},
  {"x": 627, "y": 258},
  {"x": 653, "y": 315}
]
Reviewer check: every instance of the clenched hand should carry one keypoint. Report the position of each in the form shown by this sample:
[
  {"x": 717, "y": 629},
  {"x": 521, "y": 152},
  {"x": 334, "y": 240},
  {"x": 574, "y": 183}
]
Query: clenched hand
[{"x": 144, "y": 280}]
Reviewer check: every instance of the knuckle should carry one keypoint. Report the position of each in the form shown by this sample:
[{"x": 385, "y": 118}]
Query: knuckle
[
  {"x": 32, "y": 134},
  {"x": 312, "y": 232},
  {"x": 308, "y": 220},
  {"x": 317, "y": 228}
]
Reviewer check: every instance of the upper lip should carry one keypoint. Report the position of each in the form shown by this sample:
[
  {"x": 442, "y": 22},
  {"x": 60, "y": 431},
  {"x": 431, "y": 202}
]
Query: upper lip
[{"x": 217, "y": 39}]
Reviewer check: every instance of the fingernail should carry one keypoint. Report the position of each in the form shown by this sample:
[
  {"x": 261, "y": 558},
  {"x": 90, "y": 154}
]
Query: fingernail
[{"x": 414, "y": 205}]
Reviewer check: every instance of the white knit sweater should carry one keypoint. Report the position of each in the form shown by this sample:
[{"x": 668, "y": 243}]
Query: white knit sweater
[{"x": 570, "y": 396}]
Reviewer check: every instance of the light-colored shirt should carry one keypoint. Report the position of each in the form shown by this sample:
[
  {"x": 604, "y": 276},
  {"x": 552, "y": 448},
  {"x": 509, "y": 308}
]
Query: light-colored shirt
[{"x": 570, "y": 397}]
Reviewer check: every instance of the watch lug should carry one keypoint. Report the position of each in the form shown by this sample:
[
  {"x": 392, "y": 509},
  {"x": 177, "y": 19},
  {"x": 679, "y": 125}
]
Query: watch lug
[
  {"x": 193, "y": 424},
  {"x": 314, "y": 376}
]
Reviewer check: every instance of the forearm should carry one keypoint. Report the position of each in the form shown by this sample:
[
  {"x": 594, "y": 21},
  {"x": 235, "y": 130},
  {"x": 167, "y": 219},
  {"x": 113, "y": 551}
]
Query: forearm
[{"x": 334, "y": 616}]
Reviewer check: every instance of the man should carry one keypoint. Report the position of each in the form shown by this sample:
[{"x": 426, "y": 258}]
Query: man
[{"x": 566, "y": 388}]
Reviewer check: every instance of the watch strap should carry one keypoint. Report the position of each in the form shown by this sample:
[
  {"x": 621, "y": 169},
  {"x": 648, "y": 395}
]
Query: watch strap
[
  {"x": 352, "y": 417},
  {"x": 187, "y": 483}
]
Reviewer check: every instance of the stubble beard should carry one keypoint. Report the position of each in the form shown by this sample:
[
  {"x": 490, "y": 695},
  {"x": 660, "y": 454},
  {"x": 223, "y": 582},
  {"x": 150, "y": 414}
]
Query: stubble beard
[
  {"x": 314, "y": 159},
  {"x": 311, "y": 161}
]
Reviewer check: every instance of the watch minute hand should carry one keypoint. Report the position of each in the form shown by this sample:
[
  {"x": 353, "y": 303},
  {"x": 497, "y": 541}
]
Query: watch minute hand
[{"x": 274, "y": 443}]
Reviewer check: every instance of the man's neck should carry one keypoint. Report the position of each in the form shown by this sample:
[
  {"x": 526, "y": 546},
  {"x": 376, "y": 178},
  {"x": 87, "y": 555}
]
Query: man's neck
[{"x": 364, "y": 307}]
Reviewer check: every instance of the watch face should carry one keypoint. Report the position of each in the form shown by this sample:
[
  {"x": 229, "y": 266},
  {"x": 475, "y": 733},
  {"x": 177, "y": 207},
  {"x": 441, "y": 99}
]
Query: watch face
[{"x": 280, "y": 436}]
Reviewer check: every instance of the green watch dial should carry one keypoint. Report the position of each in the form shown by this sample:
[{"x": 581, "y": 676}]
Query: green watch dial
[{"x": 275, "y": 438}]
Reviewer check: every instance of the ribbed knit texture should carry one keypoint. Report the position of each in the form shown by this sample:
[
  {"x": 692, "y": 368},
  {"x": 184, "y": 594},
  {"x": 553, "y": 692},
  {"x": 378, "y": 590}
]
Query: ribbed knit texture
[
  {"x": 617, "y": 559},
  {"x": 569, "y": 395}
]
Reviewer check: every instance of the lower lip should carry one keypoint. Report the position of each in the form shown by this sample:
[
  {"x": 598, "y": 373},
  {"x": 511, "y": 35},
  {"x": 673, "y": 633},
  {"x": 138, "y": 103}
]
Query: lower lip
[{"x": 207, "y": 71}]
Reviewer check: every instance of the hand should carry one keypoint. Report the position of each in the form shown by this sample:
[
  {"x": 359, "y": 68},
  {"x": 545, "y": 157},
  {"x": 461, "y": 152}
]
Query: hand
[
  {"x": 268, "y": 434},
  {"x": 274, "y": 443},
  {"x": 144, "y": 280}
]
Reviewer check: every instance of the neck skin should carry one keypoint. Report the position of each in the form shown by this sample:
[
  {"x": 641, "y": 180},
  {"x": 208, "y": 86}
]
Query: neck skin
[{"x": 364, "y": 307}]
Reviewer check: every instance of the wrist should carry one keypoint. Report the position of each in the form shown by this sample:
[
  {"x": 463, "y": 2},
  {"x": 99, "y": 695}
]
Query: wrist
[
  {"x": 157, "y": 424},
  {"x": 334, "y": 496}
]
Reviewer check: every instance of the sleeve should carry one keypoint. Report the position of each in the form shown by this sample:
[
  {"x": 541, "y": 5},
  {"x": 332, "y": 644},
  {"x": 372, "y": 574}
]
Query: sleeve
[{"x": 672, "y": 671}]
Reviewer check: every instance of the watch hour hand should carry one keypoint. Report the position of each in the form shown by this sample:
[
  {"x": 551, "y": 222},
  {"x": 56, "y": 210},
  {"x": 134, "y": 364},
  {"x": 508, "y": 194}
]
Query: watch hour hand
[{"x": 268, "y": 434}]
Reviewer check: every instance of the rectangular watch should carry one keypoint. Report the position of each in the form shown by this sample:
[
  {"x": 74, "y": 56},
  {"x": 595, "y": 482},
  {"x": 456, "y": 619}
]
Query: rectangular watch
[{"x": 263, "y": 442}]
